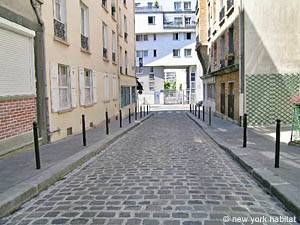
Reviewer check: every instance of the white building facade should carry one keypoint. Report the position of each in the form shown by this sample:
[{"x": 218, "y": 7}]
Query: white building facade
[{"x": 165, "y": 52}]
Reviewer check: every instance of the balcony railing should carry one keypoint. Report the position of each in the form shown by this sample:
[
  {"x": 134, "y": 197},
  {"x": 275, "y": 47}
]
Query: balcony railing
[
  {"x": 148, "y": 8},
  {"x": 230, "y": 4},
  {"x": 59, "y": 29},
  {"x": 84, "y": 42},
  {"x": 222, "y": 14},
  {"x": 172, "y": 25},
  {"x": 104, "y": 53}
]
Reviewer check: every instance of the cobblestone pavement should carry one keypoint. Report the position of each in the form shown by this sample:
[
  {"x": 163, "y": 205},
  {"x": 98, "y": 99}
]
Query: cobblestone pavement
[{"x": 165, "y": 172}]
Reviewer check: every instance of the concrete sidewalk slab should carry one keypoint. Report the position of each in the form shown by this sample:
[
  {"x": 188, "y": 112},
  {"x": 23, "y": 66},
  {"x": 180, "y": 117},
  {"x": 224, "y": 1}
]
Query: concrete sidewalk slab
[
  {"x": 12, "y": 198},
  {"x": 283, "y": 183}
]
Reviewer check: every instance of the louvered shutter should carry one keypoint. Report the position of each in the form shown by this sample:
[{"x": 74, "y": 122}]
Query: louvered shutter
[
  {"x": 81, "y": 86},
  {"x": 74, "y": 79},
  {"x": 94, "y": 82},
  {"x": 54, "y": 87}
]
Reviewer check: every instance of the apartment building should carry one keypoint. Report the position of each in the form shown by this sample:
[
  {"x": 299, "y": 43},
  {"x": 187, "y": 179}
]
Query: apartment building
[
  {"x": 250, "y": 63},
  {"x": 165, "y": 40},
  {"x": 21, "y": 48},
  {"x": 89, "y": 48}
]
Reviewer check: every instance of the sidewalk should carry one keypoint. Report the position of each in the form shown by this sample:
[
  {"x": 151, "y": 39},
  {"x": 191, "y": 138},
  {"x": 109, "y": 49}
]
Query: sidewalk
[
  {"x": 20, "y": 181},
  {"x": 258, "y": 157}
]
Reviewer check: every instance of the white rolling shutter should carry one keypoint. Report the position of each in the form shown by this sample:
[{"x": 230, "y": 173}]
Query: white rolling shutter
[
  {"x": 54, "y": 87},
  {"x": 74, "y": 80},
  {"x": 81, "y": 86},
  {"x": 94, "y": 82}
]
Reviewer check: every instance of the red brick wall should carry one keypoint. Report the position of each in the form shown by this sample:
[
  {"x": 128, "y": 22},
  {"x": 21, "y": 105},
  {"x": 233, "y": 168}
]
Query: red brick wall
[{"x": 16, "y": 116}]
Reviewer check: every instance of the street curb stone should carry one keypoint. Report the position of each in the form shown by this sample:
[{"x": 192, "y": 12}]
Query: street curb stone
[
  {"x": 287, "y": 193},
  {"x": 14, "y": 197}
]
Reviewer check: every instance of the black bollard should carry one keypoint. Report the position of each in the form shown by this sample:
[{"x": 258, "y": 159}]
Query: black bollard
[
  {"x": 209, "y": 117},
  {"x": 36, "y": 146},
  {"x": 277, "y": 144},
  {"x": 245, "y": 130},
  {"x": 135, "y": 113},
  {"x": 144, "y": 111},
  {"x": 199, "y": 112},
  {"x": 141, "y": 112},
  {"x": 120, "y": 115},
  {"x": 83, "y": 130},
  {"x": 106, "y": 122},
  {"x": 203, "y": 113},
  {"x": 195, "y": 110},
  {"x": 129, "y": 116},
  {"x": 190, "y": 107},
  {"x": 147, "y": 109}
]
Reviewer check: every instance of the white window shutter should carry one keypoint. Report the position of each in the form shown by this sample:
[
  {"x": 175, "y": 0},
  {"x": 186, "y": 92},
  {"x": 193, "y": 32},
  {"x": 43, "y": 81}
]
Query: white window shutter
[
  {"x": 54, "y": 87},
  {"x": 81, "y": 86},
  {"x": 94, "y": 82},
  {"x": 74, "y": 80}
]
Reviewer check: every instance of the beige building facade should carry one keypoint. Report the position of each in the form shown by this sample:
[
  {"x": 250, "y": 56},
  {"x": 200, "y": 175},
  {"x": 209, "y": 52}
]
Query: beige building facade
[{"x": 89, "y": 48}]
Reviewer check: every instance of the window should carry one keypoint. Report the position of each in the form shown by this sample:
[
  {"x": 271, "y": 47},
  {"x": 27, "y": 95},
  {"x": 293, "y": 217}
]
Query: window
[
  {"x": 154, "y": 53},
  {"x": 139, "y": 54},
  {"x": 176, "y": 52},
  {"x": 187, "y": 20},
  {"x": 154, "y": 37},
  {"x": 151, "y": 69},
  {"x": 105, "y": 40},
  {"x": 145, "y": 37},
  {"x": 193, "y": 76},
  {"x": 133, "y": 94},
  {"x": 187, "y": 5},
  {"x": 188, "y": 36},
  {"x": 210, "y": 91},
  {"x": 139, "y": 37},
  {"x": 114, "y": 46},
  {"x": 88, "y": 87},
  {"x": 187, "y": 52},
  {"x": 151, "y": 76},
  {"x": 125, "y": 96},
  {"x": 231, "y": 40},
  {"x": 178, "y": 20},
  {"x": 104, "y": 3},
  {"x": 120, "y": 23},
  {"x": 177, "y": 6},
  {"x": 64, "y": 87},
  {"x": 124, "y": 2},
  {"x": 126, "y": 63},
  {"x": 149, "y": 5},
  {"x": 113, "y": 8},
  {"x": 125, "y": 28},
  {"x": 60, "y": 30},
  {"x": 151, "y": 20},
  {"x": 145, "y": 53},
  {"x": 106, "y": 88},
  {"x": 84, "y": 27},
  {"x": 176, "y": 36},
  {"x": 121, "y": 60},
  {"x": 151, "y": 86}
]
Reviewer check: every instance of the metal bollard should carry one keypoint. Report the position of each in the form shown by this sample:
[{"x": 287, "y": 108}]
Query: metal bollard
[
  {"x": 106, "y": 122},
  {"x": 129, "y": 116},
  {"x": 245, "y": 124},
  {"x": 144, "y": 111},
  {"x": 277, "y": 144},
  {"x": 199, "y": 112},
  {"x": 195, "y": 110},
  {"x": 36, "y": 146},
  {"x": 203, "y": 114},
  {"x": 209, "y": 117},
  {"x": 190, "y": 107},
  {"x": 83, "y": 130},
  {"x": 120, "y": 115},
  {"x": 141, "y": 112},
  {"x": 135, "y": 113}
]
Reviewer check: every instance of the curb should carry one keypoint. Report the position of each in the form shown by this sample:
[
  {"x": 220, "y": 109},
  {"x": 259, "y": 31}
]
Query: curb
[
  {"x": 16, "y": 196},
  {"x": 275, "y": 185}
]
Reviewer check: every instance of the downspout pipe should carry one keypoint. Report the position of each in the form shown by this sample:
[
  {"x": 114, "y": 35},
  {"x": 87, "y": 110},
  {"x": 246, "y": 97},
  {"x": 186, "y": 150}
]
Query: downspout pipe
[{"x": 41, "y": 77}]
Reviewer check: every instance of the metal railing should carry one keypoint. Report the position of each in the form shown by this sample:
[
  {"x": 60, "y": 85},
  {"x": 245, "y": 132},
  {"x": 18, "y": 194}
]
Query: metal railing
[
  {"x": 59, "y": 29},
  {"x": 230, "y": 4},
  {"x": 179, "y": 26},
  {"x": 148, "y": 8},
  {"x": 84, "y": 42}
]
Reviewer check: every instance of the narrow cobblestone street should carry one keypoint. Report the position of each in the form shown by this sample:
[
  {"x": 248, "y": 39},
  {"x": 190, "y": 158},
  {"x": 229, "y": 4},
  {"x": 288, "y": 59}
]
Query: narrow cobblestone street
[{"x": 164, "y": 172}]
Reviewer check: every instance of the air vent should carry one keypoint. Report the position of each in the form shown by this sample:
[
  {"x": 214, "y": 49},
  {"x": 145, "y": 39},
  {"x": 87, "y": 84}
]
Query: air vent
[
  {"x": 69, "y": 131},
  {"x": 91, "y": 124}
]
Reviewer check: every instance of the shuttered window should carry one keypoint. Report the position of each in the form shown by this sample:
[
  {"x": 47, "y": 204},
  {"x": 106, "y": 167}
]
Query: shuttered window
[{"x": 64, "y": 86}]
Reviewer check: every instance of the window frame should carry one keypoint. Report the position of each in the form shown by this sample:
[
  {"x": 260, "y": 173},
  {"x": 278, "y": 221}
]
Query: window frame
[{"x": 64, "y": 87}]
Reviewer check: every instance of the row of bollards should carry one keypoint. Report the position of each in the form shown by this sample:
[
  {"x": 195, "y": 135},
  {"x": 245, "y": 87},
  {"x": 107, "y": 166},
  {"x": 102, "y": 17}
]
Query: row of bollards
[
  {"x": 143, "y": 111},
  {"x": 244, "y": 118}
]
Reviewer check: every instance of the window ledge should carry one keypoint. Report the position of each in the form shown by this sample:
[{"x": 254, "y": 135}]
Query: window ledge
[
  {"x": 64, "y": 42},
  {"x": 105, "y": 59},
  {"x": 61, "y": 111},
  {"x": 89, "y": 105},
  {"x": 85, "y": 51},
  {"x": 115, "y": 63}
]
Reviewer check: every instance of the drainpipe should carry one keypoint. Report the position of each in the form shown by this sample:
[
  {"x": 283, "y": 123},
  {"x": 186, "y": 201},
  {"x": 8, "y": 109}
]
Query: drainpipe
[
  {"x": 41, "y": 84},
  {"x": 242, "y": 59}
]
